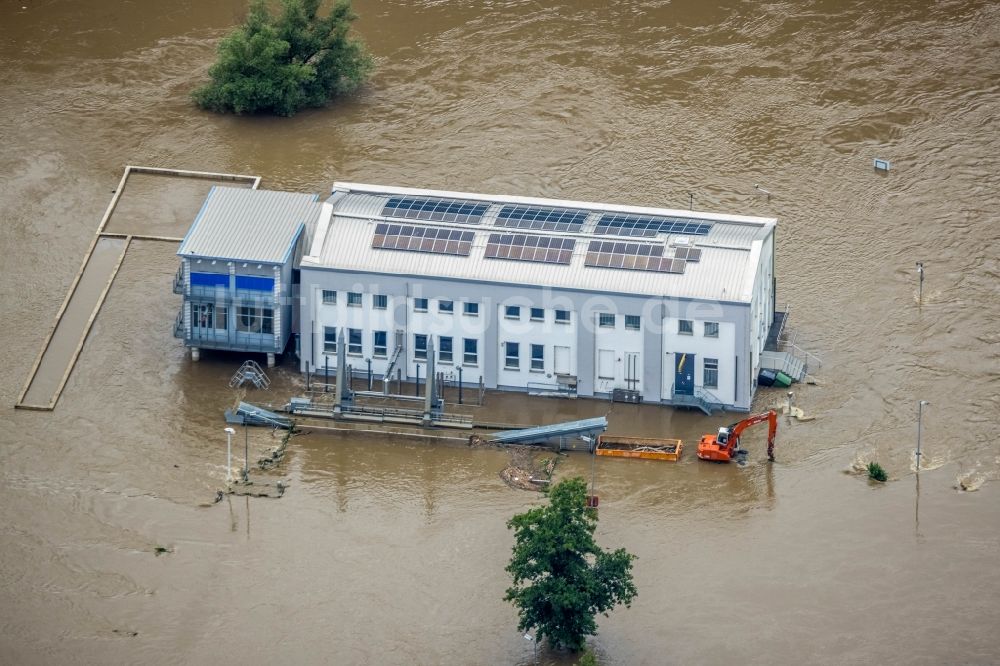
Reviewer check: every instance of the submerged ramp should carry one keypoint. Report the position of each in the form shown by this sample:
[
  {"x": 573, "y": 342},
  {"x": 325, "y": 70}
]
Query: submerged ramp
[
  {"x": 160, "y": 205},
  {"x": 567, "y": 435}
]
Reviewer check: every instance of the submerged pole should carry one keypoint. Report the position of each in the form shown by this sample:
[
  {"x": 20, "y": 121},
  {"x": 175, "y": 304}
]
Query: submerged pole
[
  {"x": 920, "y": 287},
  {"x": 229, "y": 454},
  {"x": 920, "y": 418}
]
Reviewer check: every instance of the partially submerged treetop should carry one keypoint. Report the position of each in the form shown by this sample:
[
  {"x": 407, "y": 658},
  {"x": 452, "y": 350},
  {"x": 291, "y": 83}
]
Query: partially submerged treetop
[
  {"x": 562, "y": 578},
  {"x": 281, "y": 64}
]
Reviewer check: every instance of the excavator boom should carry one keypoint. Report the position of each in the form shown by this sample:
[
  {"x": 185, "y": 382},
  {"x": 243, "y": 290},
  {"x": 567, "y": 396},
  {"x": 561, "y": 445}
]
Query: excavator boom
[{"x": 723, "y": 446}]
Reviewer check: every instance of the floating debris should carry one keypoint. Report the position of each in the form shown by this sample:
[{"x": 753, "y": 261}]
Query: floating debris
[
  {"x": 524, "y": 472},
  {"x": 161, "y": 550}
]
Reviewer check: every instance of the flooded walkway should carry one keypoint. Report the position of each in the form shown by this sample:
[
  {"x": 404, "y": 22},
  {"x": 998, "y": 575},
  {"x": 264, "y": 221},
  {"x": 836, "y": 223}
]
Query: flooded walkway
[{"x": 149, "y": 204}]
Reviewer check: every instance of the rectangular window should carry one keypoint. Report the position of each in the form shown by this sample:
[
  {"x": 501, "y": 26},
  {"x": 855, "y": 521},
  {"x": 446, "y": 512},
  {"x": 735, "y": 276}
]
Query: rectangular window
[
  {"x": 378, "y": 344},
  {"x": 711, "y": 379},
  {"x": 255, "y": 320},
  {"x": 329, "y": 340},
  {"x": 562, "y": 316},
  {"x": 354, "y": 341},
  {"x": 209, "y": 279},
  {"x": 512, "y": 312},
  {"x": 685, "y": 327},
  {"x": 446, "y": 307},
  {"x": 420, "y": 346},
  {"x": 471, "y": 351},
  {"x": 353, "y": 299},
  {"x": 711, "y": 329},
  {"x": 203, "y": 315},
  {"x": 538, "y": 357},
  {"x": 512, "y": 355},
  {"x": 444, "y": 349},
  {"x": 222, "y": 317},
  {"x": 420, "y": 305},
  {"x": 537, "y": 314},
  {"x": 471, "y": 309},
  {"x": 632, "y": 322},
  {"x": 329, "y": 297},
  {"x": 254, "y": 283},
  {"x": 380, "y": 301},
  {"x": 606, "y": 320}
]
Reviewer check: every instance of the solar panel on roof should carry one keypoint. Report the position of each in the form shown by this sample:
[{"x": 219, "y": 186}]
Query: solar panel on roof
[
  {"x": 621, "y": 224},
  {"x": 542, "y": 219},
  {"x": 420, "y": 238},
  {"x": 631, "y": 256},
  {"x": 436, "y": 210},
  {"x": 527, "y": 247},
  {"x": 692, "y": 254}
]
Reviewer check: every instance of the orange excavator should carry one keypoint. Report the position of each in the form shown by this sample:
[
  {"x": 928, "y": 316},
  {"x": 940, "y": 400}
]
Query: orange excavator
[{"x": 724, "y": 446}]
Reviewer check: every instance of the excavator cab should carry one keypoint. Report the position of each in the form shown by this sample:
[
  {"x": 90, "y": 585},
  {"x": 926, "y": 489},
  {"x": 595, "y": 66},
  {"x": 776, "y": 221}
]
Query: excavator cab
[{"x": 723, "y": 437}]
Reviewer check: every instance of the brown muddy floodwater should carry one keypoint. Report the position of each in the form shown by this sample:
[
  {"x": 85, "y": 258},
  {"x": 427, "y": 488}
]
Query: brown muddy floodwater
[{"x": 391, "y": 551}]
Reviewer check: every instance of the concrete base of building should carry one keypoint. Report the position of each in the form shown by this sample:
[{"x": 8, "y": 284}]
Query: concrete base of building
[
  {"x": 195, "y": 354},
  {"x": 270, "y": 360}
]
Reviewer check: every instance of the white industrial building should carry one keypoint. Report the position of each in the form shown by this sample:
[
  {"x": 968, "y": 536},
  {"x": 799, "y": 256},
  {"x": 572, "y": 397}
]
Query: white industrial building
[{"x": 528, "y": 294}]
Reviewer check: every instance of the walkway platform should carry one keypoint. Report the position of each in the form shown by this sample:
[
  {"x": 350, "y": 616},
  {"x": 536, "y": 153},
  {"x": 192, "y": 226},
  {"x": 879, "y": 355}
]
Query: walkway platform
[{"x": 149, "y": 204}]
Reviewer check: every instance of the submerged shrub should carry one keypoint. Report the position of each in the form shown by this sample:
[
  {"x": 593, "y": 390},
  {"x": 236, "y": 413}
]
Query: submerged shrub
[{"x": 875, "y": 471}]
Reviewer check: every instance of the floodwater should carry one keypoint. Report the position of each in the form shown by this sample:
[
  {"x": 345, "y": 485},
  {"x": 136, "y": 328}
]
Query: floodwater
[{"x": 390, "y": 550}]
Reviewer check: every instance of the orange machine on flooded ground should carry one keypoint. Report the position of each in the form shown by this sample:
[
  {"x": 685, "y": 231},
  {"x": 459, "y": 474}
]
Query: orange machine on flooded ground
[{"x": 725, "y": 445}]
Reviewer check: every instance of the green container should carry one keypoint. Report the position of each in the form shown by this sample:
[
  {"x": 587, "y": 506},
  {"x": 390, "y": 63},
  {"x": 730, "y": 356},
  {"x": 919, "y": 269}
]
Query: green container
[{"x": 782, "y": 380}]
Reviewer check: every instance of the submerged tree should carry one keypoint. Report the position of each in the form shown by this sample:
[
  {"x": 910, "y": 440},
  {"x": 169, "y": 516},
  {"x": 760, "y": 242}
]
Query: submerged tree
[
  {"x": 281, "y": 64},
  {"x": 562, "y": 578}
]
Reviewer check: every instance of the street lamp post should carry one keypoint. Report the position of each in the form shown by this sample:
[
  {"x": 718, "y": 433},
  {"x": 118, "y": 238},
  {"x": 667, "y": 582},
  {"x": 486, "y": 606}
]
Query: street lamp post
[
  {"x": 229, "y": 454},
  {"x": 920, "y": 418},
  {"x": 920, "y": 289},
  {"x": 246, "y": 446},
  {"x": 534, "y": 646}
]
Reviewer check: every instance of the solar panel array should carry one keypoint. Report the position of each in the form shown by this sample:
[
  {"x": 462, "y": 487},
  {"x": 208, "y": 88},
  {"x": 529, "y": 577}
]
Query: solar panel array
[
  {"x": 436, "y": 210},
  {"x": 522, "y": 247},
  {"x": 621, "y": 224},
  {"x": 692, "y": 254},
  {"x": 543, "y": 219},
  {"x": 421, "y": 238},
  {"x": 631, "y": 256}
]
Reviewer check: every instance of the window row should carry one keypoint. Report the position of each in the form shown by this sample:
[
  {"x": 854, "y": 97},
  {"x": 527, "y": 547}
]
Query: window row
[
  {"x": 354, "y": 299},
  {"x": 446, "y": 307},
  {"x": 686, "y": 327},
  {"x": 535, "y": 314},
  {"x": 446, "y": 349},
  {"x": 512, "y": 356},
  {"x": 249, "y": 319},
  {"x": 379, "y": 346},
  {"x": 609, "y": 320}
]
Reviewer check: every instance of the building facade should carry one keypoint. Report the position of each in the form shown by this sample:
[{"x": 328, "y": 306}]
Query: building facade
[
  {"x": 236, "y": 271},
  {"x": 540, "y": 295}
]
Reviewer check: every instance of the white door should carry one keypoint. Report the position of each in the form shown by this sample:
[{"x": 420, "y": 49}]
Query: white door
[
  {"x": 561, "y": 360},
  {"x": 605, "y": 364}
]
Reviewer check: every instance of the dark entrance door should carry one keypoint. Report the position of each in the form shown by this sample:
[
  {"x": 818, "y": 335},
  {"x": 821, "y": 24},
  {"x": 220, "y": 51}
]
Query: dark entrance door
[{"x": 684, "y": 374}]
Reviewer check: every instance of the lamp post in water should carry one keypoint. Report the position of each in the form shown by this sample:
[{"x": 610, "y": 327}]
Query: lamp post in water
[
  {"x": 534, "y": 646},
  {"x": 920, "y": 418},
  {"x": 920, "y": 289},
  {"x": 229, "y": 454}
]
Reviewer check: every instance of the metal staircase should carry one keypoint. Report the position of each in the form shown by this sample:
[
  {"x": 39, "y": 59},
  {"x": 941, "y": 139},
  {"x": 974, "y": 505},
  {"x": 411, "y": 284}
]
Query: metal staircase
[
  {"x": 702, "y": 398},
  {"x": 781, "y": 353},
  {"x": 251, "y": 372},
  {"x": 397, "y": 351}
]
